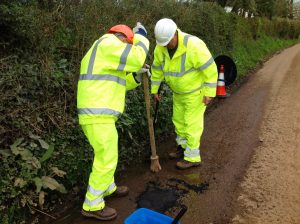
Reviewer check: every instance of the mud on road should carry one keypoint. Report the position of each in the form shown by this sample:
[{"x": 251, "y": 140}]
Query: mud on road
[{"x": 250, "y": 152}]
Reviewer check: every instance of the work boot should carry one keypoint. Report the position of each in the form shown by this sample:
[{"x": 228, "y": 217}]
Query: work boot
[
  {"x": 177, "y": 153},
  {"x": 183, "y": 164},
  {"x": 120, "y": 192},
  {"x": 104, "y": 214}
]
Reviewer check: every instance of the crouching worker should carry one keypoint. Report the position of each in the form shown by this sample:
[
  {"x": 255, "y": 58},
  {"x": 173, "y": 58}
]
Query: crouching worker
[{"x": 111, "y": 66}]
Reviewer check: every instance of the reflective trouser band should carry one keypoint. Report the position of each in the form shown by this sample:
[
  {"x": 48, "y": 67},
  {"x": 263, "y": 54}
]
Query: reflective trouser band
[
  {"x": 93, "y": 202},
  {"x": 99, "y": 194},
  {"x": 96, "y": 111},
  {"x": 102, "y": 77},
  {"x": 190, "y": 153},
  {"x": 95, "y": 192},
  {"x": 180, "y": 140}
]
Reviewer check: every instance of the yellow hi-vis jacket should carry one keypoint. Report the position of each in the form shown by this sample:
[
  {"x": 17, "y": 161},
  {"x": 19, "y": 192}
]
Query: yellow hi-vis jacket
[
  {"x": 105, "y": 75},
  {"x": 191, "y": 68}
]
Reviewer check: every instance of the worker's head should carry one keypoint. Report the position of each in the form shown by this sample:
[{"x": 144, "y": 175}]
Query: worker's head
[
  {"x": 123, "y": 32},
  {"x": 165, "y": 33}
]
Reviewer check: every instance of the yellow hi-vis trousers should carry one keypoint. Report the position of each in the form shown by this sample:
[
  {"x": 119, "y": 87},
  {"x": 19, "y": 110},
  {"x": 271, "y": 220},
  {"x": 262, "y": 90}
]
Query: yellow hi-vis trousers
[
  {"x": 188, "y": 118},
  {"x": 104, "y": 140}
]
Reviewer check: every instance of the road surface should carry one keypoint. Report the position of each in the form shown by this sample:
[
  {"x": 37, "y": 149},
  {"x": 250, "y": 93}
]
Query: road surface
[{"x": 251, "y": 158}]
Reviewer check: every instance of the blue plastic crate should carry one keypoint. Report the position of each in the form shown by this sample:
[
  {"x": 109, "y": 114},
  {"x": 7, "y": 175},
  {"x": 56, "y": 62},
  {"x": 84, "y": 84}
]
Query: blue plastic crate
[{"x": 147, "y": 216}]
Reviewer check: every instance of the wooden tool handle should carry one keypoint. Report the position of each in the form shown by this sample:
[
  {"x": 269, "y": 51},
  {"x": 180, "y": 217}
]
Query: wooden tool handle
[{"x": 149, "y": 117}]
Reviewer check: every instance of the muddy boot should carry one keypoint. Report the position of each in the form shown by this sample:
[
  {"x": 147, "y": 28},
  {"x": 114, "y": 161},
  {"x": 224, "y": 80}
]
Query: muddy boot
[
  {"x": 183, "y": 164},
  {"x": 120, "y": 192},
  {"x": 177, "y": 153},
  {"x": 104, "y": 214}
]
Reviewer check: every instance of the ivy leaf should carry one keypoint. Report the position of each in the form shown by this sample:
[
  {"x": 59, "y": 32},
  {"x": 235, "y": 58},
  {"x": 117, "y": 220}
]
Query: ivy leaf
[
  {"x": 38, "y": 183},
  {"x": 35, "y": 163},
  {"x": 17, "y": 142},
  {"x": 44, "y": 144},
  {"x": 5, "y": 152},
  {"x": 35, "y": 137},
  {"x": 19, "y": 182},
  {"x": 61, "y": 188},
  {"x": 48, "y": 153},
  {"x": 58, "y": 172},
  {"x": 51, "y": 183},
  {"x": 25, "y": 153},
  {"x": 14, "y": 147}
]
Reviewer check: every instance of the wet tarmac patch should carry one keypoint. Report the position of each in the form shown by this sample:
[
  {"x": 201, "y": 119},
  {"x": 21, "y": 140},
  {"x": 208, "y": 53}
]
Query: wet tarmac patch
[
  {"x": 158, "y": 198},
  {"x": 162, "y": 197}
]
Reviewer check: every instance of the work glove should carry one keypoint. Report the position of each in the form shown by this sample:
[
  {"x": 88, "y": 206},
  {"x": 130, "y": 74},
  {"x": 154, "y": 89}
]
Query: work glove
[
  {"x": 139, "y": 74},
  {"x": 140, "y": 29}
]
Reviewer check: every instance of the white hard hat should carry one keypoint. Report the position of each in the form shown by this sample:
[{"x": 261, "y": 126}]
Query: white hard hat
[{"x": 164, "y": 31}]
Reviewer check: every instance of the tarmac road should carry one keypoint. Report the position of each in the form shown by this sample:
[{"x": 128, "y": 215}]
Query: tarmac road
[{"x": 250, "y": 151}]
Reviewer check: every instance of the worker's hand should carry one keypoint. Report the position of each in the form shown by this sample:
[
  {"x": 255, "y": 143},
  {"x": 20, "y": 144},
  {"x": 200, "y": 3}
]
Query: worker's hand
[
  {"x": 140, "y": 29},
  {"x": 139, "y": 74},
  {"x": 157, "y": 97},
  {"x": 207, "y": 100}
]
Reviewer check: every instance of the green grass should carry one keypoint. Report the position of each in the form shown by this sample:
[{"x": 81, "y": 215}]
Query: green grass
[{"x": 250, "y": 53}]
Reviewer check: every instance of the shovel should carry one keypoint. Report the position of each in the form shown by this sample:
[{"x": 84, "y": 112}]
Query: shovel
[{"x": 155, "y": 166}]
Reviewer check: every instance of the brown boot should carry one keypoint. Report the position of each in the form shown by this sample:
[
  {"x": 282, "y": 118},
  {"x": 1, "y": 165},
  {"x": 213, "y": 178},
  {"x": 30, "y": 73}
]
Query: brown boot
[
  {"x": 104, "y": 214},
  {"x": 177, "y": 153},
  {"x": 183, "y": 164},
  {"x": 120, "y": 192}
]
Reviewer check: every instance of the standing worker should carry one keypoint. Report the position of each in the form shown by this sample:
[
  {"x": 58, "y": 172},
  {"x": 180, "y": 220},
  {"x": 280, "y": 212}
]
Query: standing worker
[
  {"x": 187, "y": 66},
  {"x": 111, "y": 66}
]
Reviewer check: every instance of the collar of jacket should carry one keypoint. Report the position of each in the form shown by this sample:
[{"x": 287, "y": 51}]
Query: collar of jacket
[{"x": 181, "y": 48}]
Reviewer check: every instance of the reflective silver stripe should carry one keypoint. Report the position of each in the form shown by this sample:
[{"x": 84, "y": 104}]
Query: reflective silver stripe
[
  {"x": 212, "y": 85},
  {"x": 208, "y": 63},
  {"x": 93, "y": 56},
  {"x": 157, "y": 67},
  {"x": 179, "y": 74},
  {"x": 140, "y": 43},
  {"x": 97, "y": 193},
  {"x": 103, "y": 77},
  {"x": 183, "y": 57},
  {"x": 112, "y": 186},
  {"x": 94, "y": 202},
  {"x": 185, "y": 39},
  {"x": 124, "y": 56},
  {"x": 98, "y": 111},
  {"x": 155, "y": 82},
  {"x": 180, "y": 140},
  {"x": 191, "y": 152},
  {"x": 175, "y": 74},
  {"x": 194, "y": 90}
]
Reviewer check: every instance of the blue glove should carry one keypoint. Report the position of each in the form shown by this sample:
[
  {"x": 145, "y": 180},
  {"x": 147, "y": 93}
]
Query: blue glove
[{"x": 140, "y": 29}]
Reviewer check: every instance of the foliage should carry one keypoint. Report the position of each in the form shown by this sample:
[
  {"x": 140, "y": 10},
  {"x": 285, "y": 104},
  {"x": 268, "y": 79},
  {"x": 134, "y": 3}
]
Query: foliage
[
  {"x": 40, "y": 53},
  {"x": 24, "y": 168}
]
